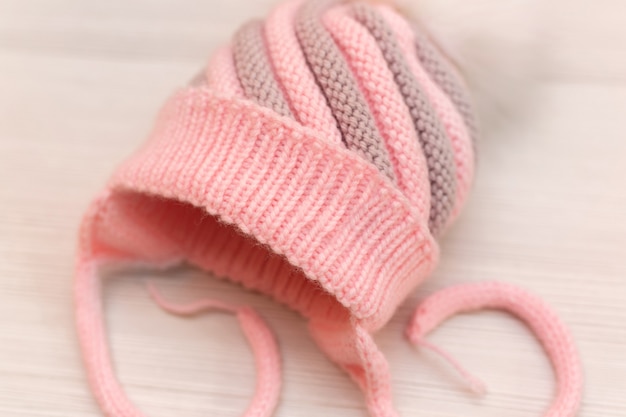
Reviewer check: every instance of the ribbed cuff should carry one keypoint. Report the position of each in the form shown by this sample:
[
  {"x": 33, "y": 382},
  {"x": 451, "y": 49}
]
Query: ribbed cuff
[{"x": 325, "y": 209}]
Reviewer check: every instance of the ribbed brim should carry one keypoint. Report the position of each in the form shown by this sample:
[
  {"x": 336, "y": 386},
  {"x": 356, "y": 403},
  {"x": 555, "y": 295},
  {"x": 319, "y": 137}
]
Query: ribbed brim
[{"x": 216, "y": 170}]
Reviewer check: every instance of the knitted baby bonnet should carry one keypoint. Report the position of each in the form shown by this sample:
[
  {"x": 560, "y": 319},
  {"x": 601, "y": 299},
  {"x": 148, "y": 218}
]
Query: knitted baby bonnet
[{"x": 316, "y": 160}]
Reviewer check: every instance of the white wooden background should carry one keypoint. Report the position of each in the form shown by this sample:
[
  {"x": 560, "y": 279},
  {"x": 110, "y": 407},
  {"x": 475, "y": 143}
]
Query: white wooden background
[{"x": 80, "y": 83}]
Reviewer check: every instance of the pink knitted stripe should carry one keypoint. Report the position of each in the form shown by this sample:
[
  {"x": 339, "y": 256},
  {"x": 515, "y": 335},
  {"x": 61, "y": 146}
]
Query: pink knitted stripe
[
  {"x": 291, "y": 69},
  {"x": 333, "y": 74},
  {"x": 221, "y": 74},
  {"x": 217, "y": 154},
  {"x": 446, "y": 111},
  {"x": 385, "y": 102},
  {"x": 433, "y": 138}
]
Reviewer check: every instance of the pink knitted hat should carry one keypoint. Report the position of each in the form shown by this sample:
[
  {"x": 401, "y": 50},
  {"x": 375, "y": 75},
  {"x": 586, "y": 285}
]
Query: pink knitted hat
[{"x": 316, "y": 160}]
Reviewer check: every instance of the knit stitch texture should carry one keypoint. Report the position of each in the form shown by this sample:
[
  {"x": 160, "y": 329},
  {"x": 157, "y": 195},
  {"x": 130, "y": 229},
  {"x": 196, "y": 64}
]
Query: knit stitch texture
[{"x": 317, "y": 159}]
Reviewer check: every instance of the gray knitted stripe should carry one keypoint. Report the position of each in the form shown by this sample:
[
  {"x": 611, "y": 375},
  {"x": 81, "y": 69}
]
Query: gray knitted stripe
[
  {"x": 435, "y": 143},
  {"x": 338, "y": 84},
  {"x": 254, "y": 69},
  {"x": 446, "y": 78}
]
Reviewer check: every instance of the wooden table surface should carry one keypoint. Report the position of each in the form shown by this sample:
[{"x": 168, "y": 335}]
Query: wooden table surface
[{"x": 80, "y": 83}]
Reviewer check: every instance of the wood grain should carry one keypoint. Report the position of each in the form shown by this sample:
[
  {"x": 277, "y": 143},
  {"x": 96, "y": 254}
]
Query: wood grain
[{"x": 80, "y": 84}]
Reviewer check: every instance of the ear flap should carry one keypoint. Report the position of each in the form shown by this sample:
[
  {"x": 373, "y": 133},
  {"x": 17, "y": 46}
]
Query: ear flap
[
  {"x": 108, "y": 236},
  {"x": 352, "y": 347}
]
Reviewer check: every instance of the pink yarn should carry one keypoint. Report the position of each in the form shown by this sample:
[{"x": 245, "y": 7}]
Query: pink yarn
[
  {"x": 291, "y": 69},
  {"x": 221, "y": 73},
  {"x": 452, "y": 120},
  {"x": 261, "y": 340},
  {"x": 392, "y": 116},
  {"x": 327, "y": 205},
  {"x": 541, "y": 320}
]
